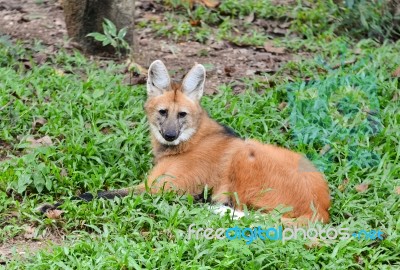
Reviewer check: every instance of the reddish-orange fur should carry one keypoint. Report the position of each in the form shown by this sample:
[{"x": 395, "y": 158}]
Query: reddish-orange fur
[{"x": 263, "y": 176}]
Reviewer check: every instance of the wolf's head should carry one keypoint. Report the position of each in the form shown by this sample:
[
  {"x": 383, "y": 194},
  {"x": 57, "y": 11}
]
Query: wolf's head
[{"x": 174, "y": 110}]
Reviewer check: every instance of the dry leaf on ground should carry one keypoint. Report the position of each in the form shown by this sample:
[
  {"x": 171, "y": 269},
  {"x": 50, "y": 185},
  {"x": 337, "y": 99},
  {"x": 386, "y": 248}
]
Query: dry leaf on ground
[
  {"x": 195, "y": 22},
  {"x": 29, "y": 232},
  {"x": 152, "y": 17},
  {"x": 324, "y": 149},
  {"x": 44, "y": 141},
  {"x": 282, "y": 106},
  {"x": 269, "y": 47},
  {"x": 54, "y": 214},
  {"x": 362, "y": 187},
  {"x": 396, "y": 73},
  {"x": 135, "y": 67},
  {"x": 207, "y": 3},
  {"x": 250, "y": 18},
  {"x": 343, "y": 185},
  {"x": 38, "y": 123},
  {"x": 316, "y": 243}
]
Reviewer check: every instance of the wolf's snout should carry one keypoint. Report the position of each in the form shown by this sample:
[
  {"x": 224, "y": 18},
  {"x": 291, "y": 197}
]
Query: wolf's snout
[{"x": 170, "y": 135}]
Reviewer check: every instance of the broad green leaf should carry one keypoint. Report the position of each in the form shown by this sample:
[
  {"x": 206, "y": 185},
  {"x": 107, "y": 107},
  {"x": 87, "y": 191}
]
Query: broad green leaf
[
  {"x": 110, "y": 28},
  {"x": 122, "y": 33}
]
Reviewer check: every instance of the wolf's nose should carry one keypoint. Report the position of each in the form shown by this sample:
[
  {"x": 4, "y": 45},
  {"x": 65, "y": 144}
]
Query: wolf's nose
[{"x": 170, "y": 136}]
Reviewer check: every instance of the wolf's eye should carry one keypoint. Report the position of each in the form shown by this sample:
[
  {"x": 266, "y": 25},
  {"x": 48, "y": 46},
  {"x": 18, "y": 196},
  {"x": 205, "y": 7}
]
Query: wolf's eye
[
  {"x": 163, "y": 112},
  {"x": 182, "y": 114}
]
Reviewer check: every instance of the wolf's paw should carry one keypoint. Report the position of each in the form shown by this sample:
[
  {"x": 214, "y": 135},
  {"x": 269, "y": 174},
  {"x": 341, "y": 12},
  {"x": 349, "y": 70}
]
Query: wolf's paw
[
  {"x": 43, "y": 208},
  {"x": 223, "y": 209}
]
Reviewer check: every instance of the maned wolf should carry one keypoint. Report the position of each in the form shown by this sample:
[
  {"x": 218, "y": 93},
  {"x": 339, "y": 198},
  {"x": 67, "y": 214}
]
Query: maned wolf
[{"x": 193, "y": 151}]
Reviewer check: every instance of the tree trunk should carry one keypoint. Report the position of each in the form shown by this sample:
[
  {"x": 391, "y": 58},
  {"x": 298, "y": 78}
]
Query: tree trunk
[
  {"x": 86, "y": 16},
  {"x": 395, "y": 10}
]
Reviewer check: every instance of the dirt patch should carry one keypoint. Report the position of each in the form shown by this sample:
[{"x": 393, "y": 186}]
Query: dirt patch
[
  {"x": 32, "y": 19},
  {"x": 22, "y": 247},
  {"x": 226, "y": 63}
]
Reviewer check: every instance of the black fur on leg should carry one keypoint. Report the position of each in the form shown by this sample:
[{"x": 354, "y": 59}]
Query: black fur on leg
[
  {"x": 229, "y": 204},
  {"x": 47, "y": 207},
  {"x": 200, "y": 198}
]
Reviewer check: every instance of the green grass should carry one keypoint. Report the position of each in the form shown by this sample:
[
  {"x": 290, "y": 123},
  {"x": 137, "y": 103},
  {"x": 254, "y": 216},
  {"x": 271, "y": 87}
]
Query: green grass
[
  {"x": 238, "y": 22},
  {"x": 100, "y": 141}
]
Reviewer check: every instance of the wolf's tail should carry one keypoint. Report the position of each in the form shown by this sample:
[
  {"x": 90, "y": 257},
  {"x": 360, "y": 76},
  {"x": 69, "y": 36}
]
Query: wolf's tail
[{"x": 111, "y": 194}]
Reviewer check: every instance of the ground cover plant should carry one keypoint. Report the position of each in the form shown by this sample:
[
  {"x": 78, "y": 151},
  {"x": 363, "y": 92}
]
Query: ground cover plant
[
  {"x": 358, "y": 19},
  {"x": 71, "y": 124}
]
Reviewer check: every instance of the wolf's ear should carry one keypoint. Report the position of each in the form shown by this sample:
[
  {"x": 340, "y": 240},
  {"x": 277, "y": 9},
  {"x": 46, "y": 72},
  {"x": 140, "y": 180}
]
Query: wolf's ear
[
  {"x": 193, "y": 83},
  {"x": 158, "y": 80}
]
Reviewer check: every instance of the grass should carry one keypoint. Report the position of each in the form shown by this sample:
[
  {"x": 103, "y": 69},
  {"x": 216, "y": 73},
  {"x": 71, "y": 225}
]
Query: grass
[
  {"x": 345, "y": 117},
  {"x": 245, "y": 23}
]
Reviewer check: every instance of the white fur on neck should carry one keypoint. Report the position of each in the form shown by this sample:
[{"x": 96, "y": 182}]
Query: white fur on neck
[{"x": 183, "y": 137}]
